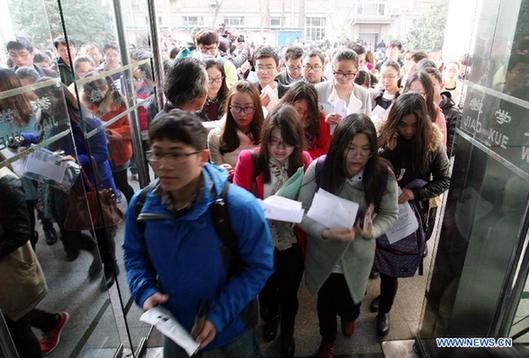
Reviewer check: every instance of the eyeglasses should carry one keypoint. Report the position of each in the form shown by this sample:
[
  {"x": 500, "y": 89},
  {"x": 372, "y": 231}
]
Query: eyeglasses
[
  {"x": 244, "y": 110},
  {"x": 280, "y": 143},
  {"x": 389, "y": 77},
  {"x": 19, "y": 54},
  {"x": 294, "y": 68},
  {"x": 215, "y": 80},
  {"x": 265, "y": 68},
  {"x": 175, "y": 157},
  {"x": 360, "y": 153},
  {"x": 316, "y": 68},
  {"x": 348, "y": 75}
]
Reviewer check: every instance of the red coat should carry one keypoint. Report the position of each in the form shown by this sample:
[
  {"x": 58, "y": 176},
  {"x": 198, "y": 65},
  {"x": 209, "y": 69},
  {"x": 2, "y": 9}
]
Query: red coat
[
  {"x": 320, "y": 145},
  {"x": 243, "y": 177},
  {"x": 244, "y": 173},
  {"x": 118, "y": 133}
]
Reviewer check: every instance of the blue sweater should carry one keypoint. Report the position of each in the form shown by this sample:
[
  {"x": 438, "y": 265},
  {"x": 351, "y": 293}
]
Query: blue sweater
[{"x": 182, "y": 256}]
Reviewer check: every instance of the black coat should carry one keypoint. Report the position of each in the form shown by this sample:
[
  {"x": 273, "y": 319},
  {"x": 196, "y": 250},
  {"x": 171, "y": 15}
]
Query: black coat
[
  {"x": 15, "y": 227},
  {"x": 453, "y": 117},
  {"x": 437, "y": 174}
]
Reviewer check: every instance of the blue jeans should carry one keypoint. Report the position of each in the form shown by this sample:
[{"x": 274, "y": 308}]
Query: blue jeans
[{"x": 244, "y": 346}]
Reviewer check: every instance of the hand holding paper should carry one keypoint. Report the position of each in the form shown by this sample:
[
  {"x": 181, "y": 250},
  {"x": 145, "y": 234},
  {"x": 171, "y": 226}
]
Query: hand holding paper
[
  {"x": 340, "y": 109},
  {"x": 282, "y": 209},
  {"x": 343, "y": 211},
  {"x": 168, "y": 326}
]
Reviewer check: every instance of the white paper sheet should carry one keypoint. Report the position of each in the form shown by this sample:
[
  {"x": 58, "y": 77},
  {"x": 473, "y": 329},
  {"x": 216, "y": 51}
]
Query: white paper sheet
[
  {"x": 378, "y": 115},
  {"x": 282, "y": 209},
  {"x": 212, "y": 124},
  {"x": 168, "y": 326},
  {"x": 273, "y": 96},
  {"x": 406, "y": 224},
  {"x": 332, "y": 211},
  {"x": 45, "y": 164},
  {"x": 340, "y": 107}
]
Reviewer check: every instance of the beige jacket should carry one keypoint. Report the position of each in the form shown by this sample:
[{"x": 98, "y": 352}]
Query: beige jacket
[{"x": 359, "y": 102}]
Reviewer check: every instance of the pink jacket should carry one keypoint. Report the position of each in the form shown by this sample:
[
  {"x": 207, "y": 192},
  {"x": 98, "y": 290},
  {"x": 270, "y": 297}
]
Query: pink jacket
[
  {"x": 440, "y": 121},
  {"x": 244, "y": 173}
]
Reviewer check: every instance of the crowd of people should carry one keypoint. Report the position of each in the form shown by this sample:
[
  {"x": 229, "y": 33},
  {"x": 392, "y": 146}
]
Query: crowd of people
[
  {"x": 240, "y": 122},
  {"x": 294, "y": 122}
]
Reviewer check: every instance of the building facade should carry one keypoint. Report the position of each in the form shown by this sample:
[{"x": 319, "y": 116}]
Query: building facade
[{"x": 282, "y": 22}]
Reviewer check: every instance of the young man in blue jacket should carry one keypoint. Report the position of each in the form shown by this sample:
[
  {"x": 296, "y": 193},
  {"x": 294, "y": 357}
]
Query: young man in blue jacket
[{"x": 173, "y": 254}]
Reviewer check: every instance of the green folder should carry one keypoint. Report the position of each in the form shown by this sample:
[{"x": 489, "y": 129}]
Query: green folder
[{"x": 290, "y": 189}]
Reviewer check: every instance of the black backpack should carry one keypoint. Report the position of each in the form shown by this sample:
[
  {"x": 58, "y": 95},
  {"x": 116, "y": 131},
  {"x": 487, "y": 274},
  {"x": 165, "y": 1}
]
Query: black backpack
[{"x": 230, "y": 241}]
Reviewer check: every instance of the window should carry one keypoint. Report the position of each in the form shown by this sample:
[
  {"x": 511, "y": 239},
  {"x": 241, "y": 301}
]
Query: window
[
  {"x": 275, "y": 21},
  {"x": 193, "y": 21},
  {"x": 371, "y": 9},
  {"x": 234, "y": 21},
  {"x": 315, "y": 28}
]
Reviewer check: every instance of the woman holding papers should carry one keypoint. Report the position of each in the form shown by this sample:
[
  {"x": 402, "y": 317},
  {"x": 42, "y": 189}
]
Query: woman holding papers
[
  {"x": 415, "y": 149},
  {"x": 303, "y": 97},
  {"x": 339, "y": 258},
  {"x": 341, "y": 96},
  {"x": 263, "y": 172},
  {"x": 241, "y": 129},
  {"x": 390, "y": 76}
]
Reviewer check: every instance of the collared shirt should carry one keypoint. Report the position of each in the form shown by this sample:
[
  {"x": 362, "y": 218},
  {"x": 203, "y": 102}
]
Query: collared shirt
[
  {"x": 168, "y": 201},
  {"x": 356, "y": 179}
]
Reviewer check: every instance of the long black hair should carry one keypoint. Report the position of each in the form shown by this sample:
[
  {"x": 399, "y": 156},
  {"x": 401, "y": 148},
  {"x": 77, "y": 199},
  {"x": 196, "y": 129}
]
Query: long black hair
[
  {"x": 426, "y": 81},
  {"x": 333, "y": 173},
  {"x": 223, "y": 91},
  {"x": 406, "y": 104},
  {"x": 229, "y": 140},
  {"x": 305, "y": 91},
  {"x": 286, "y": 119}
]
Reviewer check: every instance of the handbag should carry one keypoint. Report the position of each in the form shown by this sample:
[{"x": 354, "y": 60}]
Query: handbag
[
  {"x": 401, "y": 258},
  {"x": 93, "y": 209},
  {"x": 23, "y": 283}
]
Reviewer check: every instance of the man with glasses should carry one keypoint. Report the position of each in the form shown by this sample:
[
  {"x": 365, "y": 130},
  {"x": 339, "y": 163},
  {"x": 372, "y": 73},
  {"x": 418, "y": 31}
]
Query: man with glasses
[
  {"x": 175, "y": 257},
  {"x": 20, "y": 51},
  {"x": 313, "y": 67},
  {"x": 266, "y": 63},
  {"x": 207, "y": 47},
  {"x": 292, "y": 73}
]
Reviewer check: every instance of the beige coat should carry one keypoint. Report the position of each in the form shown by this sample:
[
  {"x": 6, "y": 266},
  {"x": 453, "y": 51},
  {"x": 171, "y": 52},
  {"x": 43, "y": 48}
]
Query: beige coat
[
  {"x": 356, "y": 256},
  {"x": 22, "y": 283},
  {"x": 359, "y": 101}
]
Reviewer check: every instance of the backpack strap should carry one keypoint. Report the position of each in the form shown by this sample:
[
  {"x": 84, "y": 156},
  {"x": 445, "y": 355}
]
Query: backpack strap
[
  {"x": 139, "y": 205},
  {"x": 319, "y": 166},
  {"x": 221, "y": 223},
  {"x": 222, "y": 226}
]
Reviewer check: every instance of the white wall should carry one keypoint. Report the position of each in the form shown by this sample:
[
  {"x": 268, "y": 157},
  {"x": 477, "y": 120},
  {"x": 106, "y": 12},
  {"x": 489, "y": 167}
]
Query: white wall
[{"x": 460, "y": 27}]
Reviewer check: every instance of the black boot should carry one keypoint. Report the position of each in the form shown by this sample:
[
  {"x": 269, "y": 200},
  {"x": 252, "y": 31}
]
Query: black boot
[
  {"x": 373, "y": 307},
  {"x": 111, "y": 271},
  {"x": 382, "y": 324},
  {"x": 96, "y": 265},
  {"x": 49, "y": 232}
]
